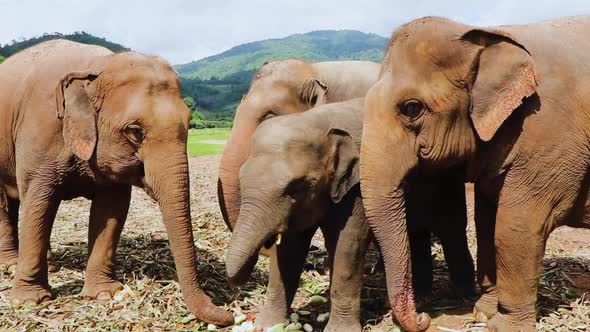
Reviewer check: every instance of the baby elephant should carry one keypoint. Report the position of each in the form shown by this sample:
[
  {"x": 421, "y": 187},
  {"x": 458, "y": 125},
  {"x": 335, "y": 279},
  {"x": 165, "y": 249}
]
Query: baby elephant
[{"x": 302, "y": 173}]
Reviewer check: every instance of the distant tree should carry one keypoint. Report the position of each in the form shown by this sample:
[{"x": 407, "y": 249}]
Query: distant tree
[
  {"x": 190, "y": 103},
  {"x": 1, "y": 59},
  {"x": 79, "y": 36}
]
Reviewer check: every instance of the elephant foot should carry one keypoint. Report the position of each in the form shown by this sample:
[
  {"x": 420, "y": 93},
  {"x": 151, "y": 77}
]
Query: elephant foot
[
  {"x": 8, "y": 260},
  {"x": 8, "y": 267},
  {"x": 334, "y": 326},
  {"x": 485, "y": 308},
  {"x": 29, "y": 294},
  {"x": 101, "y": 290},
  {"x": 51, "y": 264},
  {"x": 268, "y": 318},
  {"x": 504, "y": 323}
]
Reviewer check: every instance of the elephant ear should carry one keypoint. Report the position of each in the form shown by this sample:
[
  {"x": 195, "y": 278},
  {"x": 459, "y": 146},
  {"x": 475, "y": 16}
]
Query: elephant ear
[
  {"x": 503, "y": 75},
  {"x": 343, "y": 163},
  {"x": 74, "y": 95},
  {"x": 313, "y": 93}
]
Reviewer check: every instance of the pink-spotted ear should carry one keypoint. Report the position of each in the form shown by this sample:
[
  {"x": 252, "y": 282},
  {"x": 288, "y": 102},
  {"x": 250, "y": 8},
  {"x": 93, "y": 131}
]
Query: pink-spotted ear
[
  {"x": 504, "y": 75},
  {"x": 74, "y": 94}
]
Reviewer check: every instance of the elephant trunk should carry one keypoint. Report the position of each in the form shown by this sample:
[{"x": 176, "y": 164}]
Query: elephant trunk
[
  {"x": 167, "y": 181},
  {"x": 256, "y": 225},
  {"x": 386, "y": 160},
  {"x": 234, "y": 155}
]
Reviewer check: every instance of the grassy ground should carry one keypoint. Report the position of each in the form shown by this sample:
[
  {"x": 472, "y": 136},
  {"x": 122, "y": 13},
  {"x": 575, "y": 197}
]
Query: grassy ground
[
  {"x": 151, "y": 300},
  {"x": 204, "y": 142}
]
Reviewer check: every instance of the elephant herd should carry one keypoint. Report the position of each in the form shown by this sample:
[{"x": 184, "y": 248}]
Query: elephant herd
[{"x": 360, "y": 150}]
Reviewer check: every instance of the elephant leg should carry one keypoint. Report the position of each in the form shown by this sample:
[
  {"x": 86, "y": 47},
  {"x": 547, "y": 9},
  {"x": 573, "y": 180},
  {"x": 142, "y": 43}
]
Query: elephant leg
[
  {"x": 452, "y": 232},
  {"x": 522, "y": 229},
  {"x": 8, "y": 232},
  {"x": 420, "y": 246},
  {"x": 485, "y": 224},
  {"x": 107, "y": 217},
  {"x": 347, "y": 239},
  {"x": 458, "y": 257},
  {"x": 39, "y": 208},
  {"x": 286, "y": 265}
]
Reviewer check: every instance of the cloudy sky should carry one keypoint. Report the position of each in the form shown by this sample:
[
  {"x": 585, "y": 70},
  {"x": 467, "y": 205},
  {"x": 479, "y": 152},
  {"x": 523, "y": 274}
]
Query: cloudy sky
[{"x": 186, "y": 30}]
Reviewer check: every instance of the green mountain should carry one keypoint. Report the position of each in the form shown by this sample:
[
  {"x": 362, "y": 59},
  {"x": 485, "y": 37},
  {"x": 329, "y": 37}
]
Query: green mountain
[
  {"x": 217, "y": 83},
  {"x": 314, "y": 46},
  {"x": 80, "y": 37}
]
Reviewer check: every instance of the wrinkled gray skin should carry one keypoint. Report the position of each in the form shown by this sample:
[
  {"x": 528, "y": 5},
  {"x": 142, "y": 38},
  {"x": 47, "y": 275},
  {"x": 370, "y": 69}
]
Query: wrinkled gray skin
[{"x": 302, "y": 174}]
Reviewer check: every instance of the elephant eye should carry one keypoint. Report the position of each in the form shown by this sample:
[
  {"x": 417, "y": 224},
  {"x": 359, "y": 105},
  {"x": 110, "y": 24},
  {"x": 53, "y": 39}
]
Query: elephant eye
[
  {"x": 297, "y": 187},
  {"x": 413, "y": 109},
  {"x": 134, "y": 134},
  {"x": 268, "y": 115}
]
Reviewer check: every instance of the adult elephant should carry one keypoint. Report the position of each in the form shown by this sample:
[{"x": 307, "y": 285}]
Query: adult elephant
[
  {"x": 279, "y": 88},
  {"x": 510, "y": 106},
  {"x": 78, "y": 120}
]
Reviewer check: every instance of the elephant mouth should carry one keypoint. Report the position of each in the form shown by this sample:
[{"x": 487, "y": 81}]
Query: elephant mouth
[
  {"x": 244, "y": 271},
  {"x": 274, "y": 239}
]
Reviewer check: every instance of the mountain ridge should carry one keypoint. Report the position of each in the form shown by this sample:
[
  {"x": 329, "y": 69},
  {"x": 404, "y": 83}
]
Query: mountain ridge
[
  {"x": 78, "y": 36},
  {"x": 320, "y": 45}
]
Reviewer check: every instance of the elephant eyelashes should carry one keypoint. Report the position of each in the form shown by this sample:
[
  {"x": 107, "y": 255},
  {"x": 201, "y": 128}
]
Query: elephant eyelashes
[
  {"x": 134, "y": 134},
  {"x": 268, "y": 115},
  {"x": 412, "y": 109}
]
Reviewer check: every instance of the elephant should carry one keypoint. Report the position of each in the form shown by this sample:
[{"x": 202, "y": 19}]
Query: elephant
[
  {"x": 509, "y": 106},
  {"x": 80, "y": 121},
  {"x": 301, "y": 175},
  {"x": 280, "y": 88}
]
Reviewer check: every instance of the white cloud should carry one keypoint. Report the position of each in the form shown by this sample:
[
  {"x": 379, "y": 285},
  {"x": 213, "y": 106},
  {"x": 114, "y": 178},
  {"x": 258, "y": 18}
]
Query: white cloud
[{"x": 185, "y": 30}]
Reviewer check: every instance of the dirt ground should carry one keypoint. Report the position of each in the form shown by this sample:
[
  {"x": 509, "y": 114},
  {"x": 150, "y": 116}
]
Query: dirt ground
[{"x": 151, "y": 299}]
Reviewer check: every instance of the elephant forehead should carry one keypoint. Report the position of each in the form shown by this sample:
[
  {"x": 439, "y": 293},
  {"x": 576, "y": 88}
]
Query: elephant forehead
[
  {"x": 267, "y": 95},
  {"x": 289, "y": 69}
]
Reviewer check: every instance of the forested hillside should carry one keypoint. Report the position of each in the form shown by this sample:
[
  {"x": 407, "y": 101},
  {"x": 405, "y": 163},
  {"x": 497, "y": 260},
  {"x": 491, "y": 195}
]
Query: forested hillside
[
  {"x": 314, "y": 46},
  {"x": 80, "y": 37},
  {"x": 217, "y": 83}
]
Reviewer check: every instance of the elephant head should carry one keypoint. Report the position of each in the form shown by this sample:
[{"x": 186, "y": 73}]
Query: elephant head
[
  {"x": 126, "y": 119},
  {"x": 278, "y": 88},
  {"x": 444, "y": 89},
  {"x": 294, "y": 172}
]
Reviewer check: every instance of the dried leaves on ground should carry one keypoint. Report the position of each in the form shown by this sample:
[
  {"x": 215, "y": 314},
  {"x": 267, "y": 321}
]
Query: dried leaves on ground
[{"x": 151, "y": 299}]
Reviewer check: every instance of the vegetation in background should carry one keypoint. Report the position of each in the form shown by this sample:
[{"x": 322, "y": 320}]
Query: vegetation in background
[
  {"x": 314, "y": 46},
  {"x": 207, "y": 141},
  {"x": 79, "y": 36},
  {"x": 1, "y": 59},
  {"x": 217, "y": 83}
]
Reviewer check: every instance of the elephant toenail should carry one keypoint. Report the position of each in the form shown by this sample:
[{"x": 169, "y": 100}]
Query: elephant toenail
[
  {"x": 480, "y": 316},
  {"x": 30, "y": 302},
  {"x": 15, "y": 303},
  {"x": 104, "y": 295}
]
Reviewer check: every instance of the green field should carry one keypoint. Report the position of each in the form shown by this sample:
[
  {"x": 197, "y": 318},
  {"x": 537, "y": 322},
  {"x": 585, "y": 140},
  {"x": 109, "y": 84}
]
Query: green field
[{"x": 202, "y": 142}]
